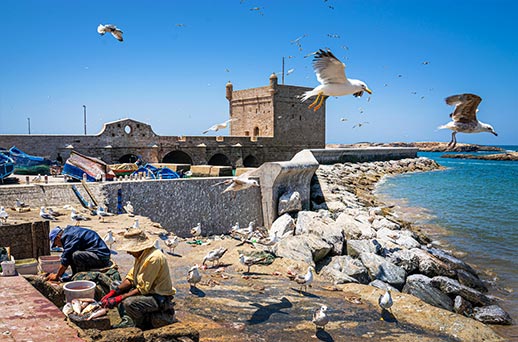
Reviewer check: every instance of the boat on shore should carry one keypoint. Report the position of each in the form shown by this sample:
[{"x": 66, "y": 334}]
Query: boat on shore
[
  {"x": 26, "y": 164},
  {"x": 124, "y": 169},
  {"x": 78, "y": 166},
  {"x": 6, "y": 166}
]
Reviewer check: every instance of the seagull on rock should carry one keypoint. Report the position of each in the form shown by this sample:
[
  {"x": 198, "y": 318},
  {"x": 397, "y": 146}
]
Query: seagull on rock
[
  {"x": 3, "y": 215},
  {"x": 330, "y": 73},
  {"x": 193, "y": 276},
  {"x": 320, "y": 317},
  {"x": 102, "y": 29},
  {"x": 214, "y": 255},
  {"x": 464, "y": 117},
  {"x": 46, "y": 216},
  {"x": 109, "y": 239},
  {"x": 219, "y": 126}
]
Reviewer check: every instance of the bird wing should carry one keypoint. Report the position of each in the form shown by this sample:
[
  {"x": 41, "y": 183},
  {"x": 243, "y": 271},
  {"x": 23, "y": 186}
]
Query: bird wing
[
  {"x": 117, "y": 34},
  {"x": 328, "y": 68},
  {"x": 465, "y": 107}
]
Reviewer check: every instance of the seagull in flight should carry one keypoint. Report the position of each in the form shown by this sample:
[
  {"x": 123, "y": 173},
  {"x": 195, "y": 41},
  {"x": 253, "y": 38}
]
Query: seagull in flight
[
  {"x": 330, "y": 73},
  {"x": 102, "y": 29},
  {"x": 240, "y": 182},
  {"x": 464, "y": 117},
  {"x": 219, "y": 126}
]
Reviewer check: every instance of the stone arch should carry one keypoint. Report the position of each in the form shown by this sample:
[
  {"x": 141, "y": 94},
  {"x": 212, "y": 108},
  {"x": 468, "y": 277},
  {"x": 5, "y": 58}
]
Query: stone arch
[
  {"x": 128, "y": 158},
  {"x": 177, "y": 157},
  {"x": 219, "y": 159},
  {"x": 250, "y": 161}
]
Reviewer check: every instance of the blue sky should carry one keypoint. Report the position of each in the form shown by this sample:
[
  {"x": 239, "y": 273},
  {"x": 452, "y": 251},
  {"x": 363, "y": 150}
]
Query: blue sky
[{"x": 177, "y": 56}]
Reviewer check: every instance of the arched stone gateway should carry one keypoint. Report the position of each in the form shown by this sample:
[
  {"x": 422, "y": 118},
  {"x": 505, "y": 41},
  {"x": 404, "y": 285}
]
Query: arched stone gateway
[
  {"x": 220, "y": 159},
  {"x": 250, "y": 161},
  {"x": 177, "y": 157},
  {"x": 128, "y": 158}
]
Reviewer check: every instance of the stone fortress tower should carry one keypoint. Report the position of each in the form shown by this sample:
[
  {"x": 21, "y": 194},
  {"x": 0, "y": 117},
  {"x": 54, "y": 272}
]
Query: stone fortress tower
[{"x": 272, "y": 125}]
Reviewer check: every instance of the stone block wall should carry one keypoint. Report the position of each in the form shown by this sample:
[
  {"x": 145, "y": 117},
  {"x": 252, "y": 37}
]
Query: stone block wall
[{"x": 26, "y": 240}]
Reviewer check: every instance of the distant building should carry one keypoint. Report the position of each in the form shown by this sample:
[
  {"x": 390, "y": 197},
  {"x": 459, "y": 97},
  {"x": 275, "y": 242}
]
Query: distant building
[{"x": 272, "y": 124}]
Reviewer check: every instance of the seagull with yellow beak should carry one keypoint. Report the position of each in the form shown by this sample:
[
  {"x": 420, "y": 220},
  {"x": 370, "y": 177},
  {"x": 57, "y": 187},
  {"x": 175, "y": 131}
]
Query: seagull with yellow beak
[{"x": 330, "y": 73}]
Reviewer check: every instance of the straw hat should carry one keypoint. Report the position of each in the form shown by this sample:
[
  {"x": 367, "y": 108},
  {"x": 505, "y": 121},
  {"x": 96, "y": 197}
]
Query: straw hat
[{"x": 135, "y": 241}]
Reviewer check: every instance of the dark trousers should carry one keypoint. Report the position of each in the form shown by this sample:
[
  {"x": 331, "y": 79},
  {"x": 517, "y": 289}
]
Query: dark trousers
[
  {"x": 139, "y": 307},
  {"x": 83, "y": 261}
]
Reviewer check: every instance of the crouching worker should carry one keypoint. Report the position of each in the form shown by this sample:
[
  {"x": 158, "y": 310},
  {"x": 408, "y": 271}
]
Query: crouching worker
[
  {"x": 83, "y": 250},
  {"x": 144, "y": 298}
]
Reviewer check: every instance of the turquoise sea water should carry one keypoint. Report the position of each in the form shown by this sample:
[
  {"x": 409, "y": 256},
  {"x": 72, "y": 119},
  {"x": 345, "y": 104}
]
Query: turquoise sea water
[{"x": 473, "y": 206}]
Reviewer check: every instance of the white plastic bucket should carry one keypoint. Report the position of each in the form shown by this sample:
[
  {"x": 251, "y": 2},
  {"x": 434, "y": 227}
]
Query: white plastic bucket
[
  {"x": 8, "y": 268},
  {"x": 79, "y": 289}
]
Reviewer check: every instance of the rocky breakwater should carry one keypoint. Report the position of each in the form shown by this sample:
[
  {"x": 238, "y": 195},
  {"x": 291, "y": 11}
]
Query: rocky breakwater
[{"x": 352, "y": 238}]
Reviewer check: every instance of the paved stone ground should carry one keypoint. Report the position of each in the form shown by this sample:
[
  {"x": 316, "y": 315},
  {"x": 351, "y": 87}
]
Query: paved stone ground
[{"x": 26, "y": 315}]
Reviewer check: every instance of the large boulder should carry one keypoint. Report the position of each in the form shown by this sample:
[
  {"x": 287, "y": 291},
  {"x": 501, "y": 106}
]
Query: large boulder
[
  {"x": 403, "y": 238},
  {"x": 289, "y": 202},
  {"x": 323, "y": 227},
  {"x": 406, "y": 259},
  {"x": 307, "y": 248},
  {"x": 430, "y": 265},
  {"x": 382, "y": 269},
  {"x": 492, "y": 314},
  {"x": 453, "y": 287},
  {"x": 283, "y": 226},
  {"x": 354, "y": 228},
  {"x": 453, "y": 262},
  {"x": 350, "y": 267},
  {"x": 356, "y": 247},
  {"x": 421, "y": 286}
]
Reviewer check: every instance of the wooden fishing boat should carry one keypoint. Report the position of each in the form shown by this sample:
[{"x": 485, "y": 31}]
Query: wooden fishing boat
[
  {"x": 95, "y": 169},
  {"x": 121, "y": 170}
]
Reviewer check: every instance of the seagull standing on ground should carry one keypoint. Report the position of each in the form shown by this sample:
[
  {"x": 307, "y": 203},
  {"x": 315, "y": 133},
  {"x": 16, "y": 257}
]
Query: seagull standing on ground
[
  {"x": 330, "y": 73},
  {"x": 20, "y": 204},
  {"x": 320, "y": 317},
  {"x": 214, "y": 255},
  {"x": 193, "y": 276},
  {"x": 219, "y": 126},
  {"x": 76, "y": 217},
  {"x": 385, "y": 300},
  {"x": 129, "y": 208},
  {"x": 249, "y": 261},
  {"x": 103, "y": 213},
  {"x": 46, "y": 216},
  {"x": 109, "y": 239},
  {"x": 464, "y": 117},
  {"x": 102, "y": 29},
  {"x": 305, "y": 280},
  {"x": 3, "y": 215},
  {"x": 196, "y": 231},
  {"x": 172, "y": 243}
]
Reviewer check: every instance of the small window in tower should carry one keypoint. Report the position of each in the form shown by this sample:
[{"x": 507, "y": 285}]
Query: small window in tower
[
  {"x": 300, "y": 117},
  {"x": 256, "y": 131},
  {"x": 247, "y": 133}
]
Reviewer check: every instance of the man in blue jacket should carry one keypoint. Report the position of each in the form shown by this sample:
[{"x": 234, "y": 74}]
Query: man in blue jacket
[{"x": 83, "y": 250}]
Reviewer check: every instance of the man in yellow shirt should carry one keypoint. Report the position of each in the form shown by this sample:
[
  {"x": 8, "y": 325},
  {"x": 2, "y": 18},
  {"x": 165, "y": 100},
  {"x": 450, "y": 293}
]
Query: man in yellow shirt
[{"x": 145, "y": 295}]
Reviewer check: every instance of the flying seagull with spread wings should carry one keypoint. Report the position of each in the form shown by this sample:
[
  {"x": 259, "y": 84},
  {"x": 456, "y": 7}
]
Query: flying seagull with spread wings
[
  {"x": 219, "y": 126},
  {"x": 102, "y": 29},
  {"x": 333, "y": 82},
  {"x": 464, "y": 117}
]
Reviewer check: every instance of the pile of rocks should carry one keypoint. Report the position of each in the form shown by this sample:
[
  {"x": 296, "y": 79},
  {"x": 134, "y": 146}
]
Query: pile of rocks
[{"x": 349, "y": 237}]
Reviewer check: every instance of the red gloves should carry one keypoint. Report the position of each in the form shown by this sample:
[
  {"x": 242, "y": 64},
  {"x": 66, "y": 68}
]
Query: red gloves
[
  {"x": 111, "y": 302},
  {"x": 108, "y": 295}
]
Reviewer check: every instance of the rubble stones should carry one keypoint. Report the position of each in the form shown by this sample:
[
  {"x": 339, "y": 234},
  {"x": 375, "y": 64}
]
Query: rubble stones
[
  {"x": 492, "y": 314},
  {"x": 289, "y": 202}
]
